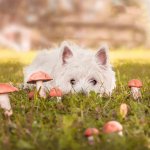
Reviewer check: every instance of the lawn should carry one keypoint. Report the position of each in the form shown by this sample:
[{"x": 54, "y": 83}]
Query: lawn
[{"x": 47, "y": 125}]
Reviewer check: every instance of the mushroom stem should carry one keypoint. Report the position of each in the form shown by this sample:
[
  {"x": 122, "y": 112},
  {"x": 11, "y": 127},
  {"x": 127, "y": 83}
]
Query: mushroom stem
[
  {"x": 120, "y": 133},
  {"x": 39, "y": 85},
  {"x": 8, "y": 112},
  {"x": 91, "y": 140},
  {"x": 58, "y": 99},
  {"x": 5, "y": 103},
  {"x": 136, "y": 92}
]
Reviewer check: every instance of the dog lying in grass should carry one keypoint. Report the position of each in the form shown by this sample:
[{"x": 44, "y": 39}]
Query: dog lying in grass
[{"x": 74, "y": 69}]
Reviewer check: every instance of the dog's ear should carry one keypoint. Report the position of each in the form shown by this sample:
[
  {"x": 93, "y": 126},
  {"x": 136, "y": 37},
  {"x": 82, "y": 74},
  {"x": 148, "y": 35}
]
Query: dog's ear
[
  {"x": 102, "y": 56},
  {"x": 66, "y": 53}
]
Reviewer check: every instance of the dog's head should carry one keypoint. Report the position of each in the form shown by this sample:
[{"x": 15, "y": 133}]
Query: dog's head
[{"x": 85, "y": 71}]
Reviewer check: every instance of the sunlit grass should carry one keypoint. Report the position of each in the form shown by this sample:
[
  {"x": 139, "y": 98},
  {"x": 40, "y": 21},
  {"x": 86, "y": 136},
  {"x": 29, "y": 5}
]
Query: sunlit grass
[
  {"x": 13, "y": 56},
  {"x": 134, "y": 55}
]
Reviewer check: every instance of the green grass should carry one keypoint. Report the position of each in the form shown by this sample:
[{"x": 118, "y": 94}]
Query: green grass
[{"x": 48, "y": 125}]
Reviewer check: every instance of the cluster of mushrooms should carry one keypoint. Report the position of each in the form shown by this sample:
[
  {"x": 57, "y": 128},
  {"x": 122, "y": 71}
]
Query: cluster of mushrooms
[
  {"x": 115, "y": 126},
  {"x": 108, "y": 128},
  {"x": 39, "y": 77},
  {"x": 36, "y": 78}
]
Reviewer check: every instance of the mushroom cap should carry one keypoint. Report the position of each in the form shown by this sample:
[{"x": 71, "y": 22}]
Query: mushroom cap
[
  {"x": 7, "y": 88},
  {"x": 124, "y": 107},
  {"x": 91, "y": 131},
  {"x": 39, "y": 76},
  {"x": 112, "y": 126},
  {"x": 55, "y": 92},
  {"x": 135, "y": 83}
]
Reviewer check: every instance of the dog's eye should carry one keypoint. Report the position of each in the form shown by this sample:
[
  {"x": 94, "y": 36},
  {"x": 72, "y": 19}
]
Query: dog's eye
[
  {"x": 93, "y": 81},
  {"x": 72, "y": 81}
]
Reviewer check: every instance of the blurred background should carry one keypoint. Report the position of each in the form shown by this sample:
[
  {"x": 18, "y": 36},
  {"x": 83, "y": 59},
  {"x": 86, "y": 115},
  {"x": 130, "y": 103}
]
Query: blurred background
[{"x": 36, "y": 24}]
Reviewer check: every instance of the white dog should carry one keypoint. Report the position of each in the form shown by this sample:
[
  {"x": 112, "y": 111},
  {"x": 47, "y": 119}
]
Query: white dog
[{"x": 74, "y": 69}]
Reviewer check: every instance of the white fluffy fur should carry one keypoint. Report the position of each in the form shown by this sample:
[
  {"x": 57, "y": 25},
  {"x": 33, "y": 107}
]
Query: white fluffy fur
[{"x": 83, "y": 66}]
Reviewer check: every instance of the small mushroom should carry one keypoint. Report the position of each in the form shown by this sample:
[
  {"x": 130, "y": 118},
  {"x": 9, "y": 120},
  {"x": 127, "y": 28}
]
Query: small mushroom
[
  {"x": 135, "y": 86},
  {"x": 123, "y": 110},
  {"x": 31, "y": 95},
  {"x": 38, "y": 78},
  {"x": 89, "y": 133},
  {"x": 5, "y": 89},
  {"x": 113, "y": 127},
  {"x": 56, "y": 92}
]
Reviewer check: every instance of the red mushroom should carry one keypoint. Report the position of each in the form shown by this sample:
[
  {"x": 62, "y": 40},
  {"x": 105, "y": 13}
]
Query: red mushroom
[
  {"x": 112, "y": 127},
  {"x": 56, "y": 92},
  {"x": 89, "y": 133},
  {"x": 31, "y": 95},
  {"x": 135, "y": 86},
  {"x": 4, "y": 98},
  {"x": 38, "y": 78},
  {"x": 123, "y": 110}
]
